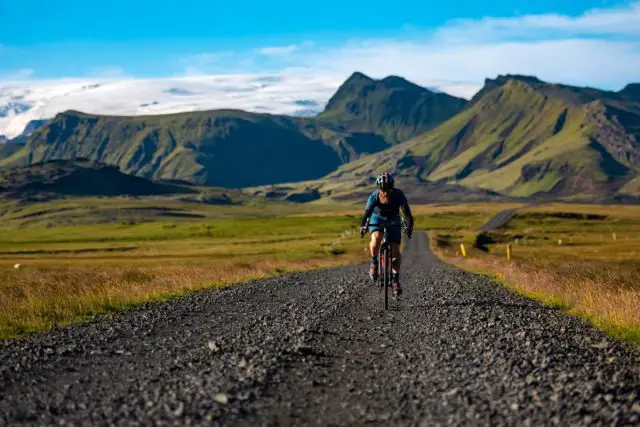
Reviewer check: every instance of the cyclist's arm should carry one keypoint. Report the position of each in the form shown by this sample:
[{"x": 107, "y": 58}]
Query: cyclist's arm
[
  {"x": 368, "y": 210},
  {"x": 406, "y": 211}
]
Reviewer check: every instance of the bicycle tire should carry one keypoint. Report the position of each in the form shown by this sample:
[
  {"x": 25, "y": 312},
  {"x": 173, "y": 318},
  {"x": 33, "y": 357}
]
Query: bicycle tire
[
  {"x": 381, "y": 273},
  {"x": 387, "y": 275}
]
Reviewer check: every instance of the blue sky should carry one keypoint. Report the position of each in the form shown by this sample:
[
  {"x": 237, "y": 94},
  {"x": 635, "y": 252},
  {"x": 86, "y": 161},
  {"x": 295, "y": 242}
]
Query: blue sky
[{"x": 72, "y": 38}]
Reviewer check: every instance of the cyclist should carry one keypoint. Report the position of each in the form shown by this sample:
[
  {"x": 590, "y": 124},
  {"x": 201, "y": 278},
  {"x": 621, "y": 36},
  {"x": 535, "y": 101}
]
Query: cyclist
[{"x": 383, "y": 207}]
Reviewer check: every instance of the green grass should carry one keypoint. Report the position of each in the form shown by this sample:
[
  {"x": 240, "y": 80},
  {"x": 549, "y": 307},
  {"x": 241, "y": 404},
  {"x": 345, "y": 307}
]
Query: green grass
[{"x": 73, "y": 211}]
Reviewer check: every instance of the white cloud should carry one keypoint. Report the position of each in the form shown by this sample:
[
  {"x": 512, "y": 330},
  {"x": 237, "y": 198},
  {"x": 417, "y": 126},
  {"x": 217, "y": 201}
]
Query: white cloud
[
  {"x": 278, "y": 50},
  {"x": 599, "y": 48},
  {"x": 21, "y": 74},
  {"x": 107, "y": 72},
  {"x": 206, "y": 62},
  {"x": 620, "y": 21},
  {"x": 573, "y": 61},
  {"x": 286, "y": 50},
  {"x": 207, "y": 58},
  {"x": 267, "y": 93}
]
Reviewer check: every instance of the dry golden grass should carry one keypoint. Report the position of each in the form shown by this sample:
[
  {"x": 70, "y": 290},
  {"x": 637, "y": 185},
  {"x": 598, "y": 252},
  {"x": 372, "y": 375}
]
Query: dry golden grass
[
  {"x": 587, "y": 265},
  {"x": 68, "y": 274},
  {"x": 38, "y": 299},
  {"x": 608, "y": 297}
]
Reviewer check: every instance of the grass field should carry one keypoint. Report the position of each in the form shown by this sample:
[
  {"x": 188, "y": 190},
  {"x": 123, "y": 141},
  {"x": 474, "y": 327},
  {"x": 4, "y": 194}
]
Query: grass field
[
  {"x": 88, "y": 256},
  {"x": 133, "y": 210},
  {"x": 69, "y": 273},
  {"x": 103, "y": 264},
  {"x": 583, "y": 258}
]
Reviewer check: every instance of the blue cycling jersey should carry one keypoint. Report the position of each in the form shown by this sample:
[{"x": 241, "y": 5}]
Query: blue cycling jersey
[{"x": 390, "y": 210}]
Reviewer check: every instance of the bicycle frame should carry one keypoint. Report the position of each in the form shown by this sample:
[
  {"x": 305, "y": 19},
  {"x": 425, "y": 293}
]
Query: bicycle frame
[{"x": 385, "y": 257}]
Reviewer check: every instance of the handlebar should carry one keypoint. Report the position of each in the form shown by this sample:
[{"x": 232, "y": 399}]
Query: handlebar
[{"x": 403, "y": 225}]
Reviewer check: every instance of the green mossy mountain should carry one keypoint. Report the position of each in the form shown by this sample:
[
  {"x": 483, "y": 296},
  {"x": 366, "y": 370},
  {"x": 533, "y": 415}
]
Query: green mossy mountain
[
  {"x": 235, "y": 149},
  {"x": 224, "y": 148},
  {"x": 524, "y": 138},
  {"x": 518, "y": 137},
  {"x": 393, "y": 107}
]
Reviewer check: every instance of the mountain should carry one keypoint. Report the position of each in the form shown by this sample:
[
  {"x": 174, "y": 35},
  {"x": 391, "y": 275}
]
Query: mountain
[
  {"x": 526, "y": 138},
  {"x": 8, "y": 149},
  {"x": 233, "y": 148},
  {"x": 31, "y": 127},
  {"x": 519, "y": 137},
  {"x": 631, "y": 91},
  {"x": 393, "y": 107},
  {"x": 79, "y": 178},
  {"x": 224, "y": 148}
]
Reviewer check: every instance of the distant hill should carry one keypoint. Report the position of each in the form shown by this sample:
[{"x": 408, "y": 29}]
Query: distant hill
[
  {"x": 237, "y": 149},
  {"x": 79, "y": 178},
  {"x": 352, "y": 188},
  {"x": 526, "y": 138}
]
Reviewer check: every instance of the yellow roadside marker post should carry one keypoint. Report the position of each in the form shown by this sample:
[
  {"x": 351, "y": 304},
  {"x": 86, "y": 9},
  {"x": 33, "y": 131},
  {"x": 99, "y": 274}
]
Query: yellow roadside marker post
[
  {"x": 463, "y": 250},
  {"x": 508, "y": 251}
]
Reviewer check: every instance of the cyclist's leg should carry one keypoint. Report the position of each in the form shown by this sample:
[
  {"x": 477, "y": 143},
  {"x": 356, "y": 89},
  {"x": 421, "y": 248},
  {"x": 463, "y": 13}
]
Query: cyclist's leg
[
  {"x": 397, "y": 261},
  {"x": 395, "y": 237},
  {"x": 374, "y": 247},
  {"x": 376, "y": 241},
  {"x": 397, "y": 256},
  {"x": 376, "y": 235}
]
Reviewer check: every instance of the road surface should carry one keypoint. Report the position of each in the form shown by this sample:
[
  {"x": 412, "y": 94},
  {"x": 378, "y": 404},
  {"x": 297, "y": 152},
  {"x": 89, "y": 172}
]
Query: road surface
[{"x": 317, "y": 349}]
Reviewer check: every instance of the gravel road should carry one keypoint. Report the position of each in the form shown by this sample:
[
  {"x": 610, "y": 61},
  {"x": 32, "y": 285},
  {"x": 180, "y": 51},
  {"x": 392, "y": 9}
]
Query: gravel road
[
  {"x": 316, "y": 349},
  {"x": 499, "y": 220}
]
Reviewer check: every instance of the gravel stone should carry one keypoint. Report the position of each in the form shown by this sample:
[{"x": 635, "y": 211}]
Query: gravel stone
[{"x": 221, "y": 398}]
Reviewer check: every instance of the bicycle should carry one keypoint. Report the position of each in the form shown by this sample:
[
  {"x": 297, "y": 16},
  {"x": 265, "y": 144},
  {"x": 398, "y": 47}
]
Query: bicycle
[{"x": 385, "y": 256}]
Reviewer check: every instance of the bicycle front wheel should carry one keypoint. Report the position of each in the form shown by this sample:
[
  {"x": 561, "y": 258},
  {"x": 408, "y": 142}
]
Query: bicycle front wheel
[{"x": 387, "y": 275}]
